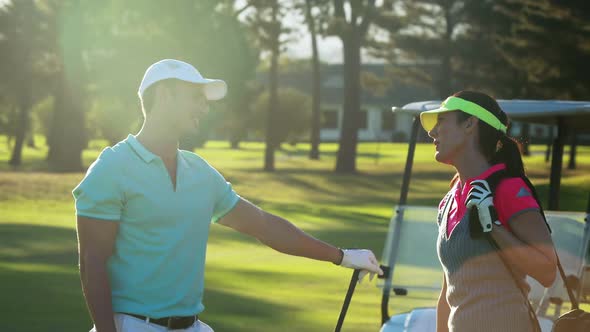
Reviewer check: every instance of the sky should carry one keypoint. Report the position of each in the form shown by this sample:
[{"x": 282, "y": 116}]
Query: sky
[
  {"x": 299, "y": 45},
  {"x": 330, "y": 48}
]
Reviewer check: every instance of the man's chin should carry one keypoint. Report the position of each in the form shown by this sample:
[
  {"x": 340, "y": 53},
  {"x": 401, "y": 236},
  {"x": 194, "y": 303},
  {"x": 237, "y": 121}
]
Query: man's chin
[{"x": 185, "y": 130}]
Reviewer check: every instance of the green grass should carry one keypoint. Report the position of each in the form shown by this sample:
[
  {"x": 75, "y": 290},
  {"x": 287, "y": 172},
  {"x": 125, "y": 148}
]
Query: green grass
[{"x": 248, "y": 286}]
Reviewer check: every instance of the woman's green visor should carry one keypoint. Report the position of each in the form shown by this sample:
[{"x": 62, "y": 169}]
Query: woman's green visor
[{"x": 429, "y": 118}]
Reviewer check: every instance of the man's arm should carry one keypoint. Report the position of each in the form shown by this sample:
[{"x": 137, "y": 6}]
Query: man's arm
[
  {"x": 96, "y": 243},
  {"x": 285, "y": 237}
]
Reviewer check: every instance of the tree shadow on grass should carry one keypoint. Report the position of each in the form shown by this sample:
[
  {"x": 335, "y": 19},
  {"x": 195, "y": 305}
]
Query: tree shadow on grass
[
  {"x": 43, "y": 300},
  {"x": 33, "y": 244},
  {"x": 40, "y": 280},
  {"x": 227, "y": 311},
  {"x": 41, "y": 287}
]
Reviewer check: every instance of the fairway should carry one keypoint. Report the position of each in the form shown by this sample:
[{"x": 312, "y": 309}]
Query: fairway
[{"x": 248, "y": 287}]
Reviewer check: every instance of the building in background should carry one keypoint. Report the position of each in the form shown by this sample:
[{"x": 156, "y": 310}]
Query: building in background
[{"x": 376, "y": 122}]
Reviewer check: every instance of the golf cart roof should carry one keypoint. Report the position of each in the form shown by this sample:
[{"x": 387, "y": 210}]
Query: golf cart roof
[{"x": 574, "y": 114}]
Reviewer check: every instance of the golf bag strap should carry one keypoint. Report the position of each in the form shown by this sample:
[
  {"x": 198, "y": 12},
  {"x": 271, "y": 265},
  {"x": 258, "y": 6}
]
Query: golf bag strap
[
  {"x": 570, "y": 293},
  {"x": 532, "y": 314},
  {"x": 493, "y": 181}
]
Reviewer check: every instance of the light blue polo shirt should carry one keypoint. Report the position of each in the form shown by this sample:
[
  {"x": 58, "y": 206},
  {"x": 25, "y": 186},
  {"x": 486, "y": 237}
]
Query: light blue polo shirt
[{"x": 158, "y": 266}]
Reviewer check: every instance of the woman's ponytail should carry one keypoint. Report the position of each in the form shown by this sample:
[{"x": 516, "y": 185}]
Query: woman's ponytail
[{"x": 509, "y": 153}]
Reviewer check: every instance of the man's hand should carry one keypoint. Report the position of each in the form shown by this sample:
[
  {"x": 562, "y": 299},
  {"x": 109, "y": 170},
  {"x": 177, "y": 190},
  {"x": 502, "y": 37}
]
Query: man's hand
[
  {"x": 481, "y": 197},
  {"x": 361, "y": 259}
]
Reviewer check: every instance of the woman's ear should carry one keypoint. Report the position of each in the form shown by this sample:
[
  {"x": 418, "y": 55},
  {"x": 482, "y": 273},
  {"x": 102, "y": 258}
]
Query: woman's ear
[{"x": 471, "y": 124}]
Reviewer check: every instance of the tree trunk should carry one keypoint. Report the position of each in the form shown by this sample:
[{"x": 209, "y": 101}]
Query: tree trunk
[
  {"x": 525, "y": 139},
  {"x": 314, "y": 152},
  {"x": 234, "y": 142},
  {"x": 269, "y": 153},
  {"x": 31, "y": 137},
  {"x": 346, "y": 159},
  {"x": 548, "y": 150},
  {"x": 573, "y": 146},
  {"x": 68, "y": 128},
  {"x": 22, "y": 125},
  {"x": 68, "y": 134},
  {"x": 444, "y": 81}
]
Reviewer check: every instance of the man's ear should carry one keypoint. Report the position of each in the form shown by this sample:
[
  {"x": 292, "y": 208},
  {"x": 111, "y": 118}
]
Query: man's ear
[{"x": 162, "y": 92}]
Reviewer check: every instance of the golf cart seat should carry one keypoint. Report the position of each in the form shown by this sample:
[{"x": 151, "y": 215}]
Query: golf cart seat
[
  {"x": 424, "y": 320},
  {"x": 419, "y": 319}
]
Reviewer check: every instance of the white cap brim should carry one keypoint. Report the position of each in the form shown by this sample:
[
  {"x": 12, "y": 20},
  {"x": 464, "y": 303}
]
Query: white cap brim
[{"x": 214, "y": 89}]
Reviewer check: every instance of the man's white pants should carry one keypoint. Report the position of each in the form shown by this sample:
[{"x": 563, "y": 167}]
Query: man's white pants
[{"x": 126, "y": 323}]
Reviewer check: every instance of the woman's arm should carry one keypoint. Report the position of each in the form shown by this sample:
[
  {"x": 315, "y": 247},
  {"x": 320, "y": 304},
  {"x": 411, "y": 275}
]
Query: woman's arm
[
  {"x": 442, "y": 309},
  {"x": 529, "y": 247}
]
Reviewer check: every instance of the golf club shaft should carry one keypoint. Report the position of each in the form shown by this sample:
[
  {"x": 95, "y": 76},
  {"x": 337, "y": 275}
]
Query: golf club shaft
[{"x": 353, "y": 281}]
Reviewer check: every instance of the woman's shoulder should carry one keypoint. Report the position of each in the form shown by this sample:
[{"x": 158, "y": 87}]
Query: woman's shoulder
[
  {"x": 513, "y": 196},
  {"x": 513, "y": 187}
]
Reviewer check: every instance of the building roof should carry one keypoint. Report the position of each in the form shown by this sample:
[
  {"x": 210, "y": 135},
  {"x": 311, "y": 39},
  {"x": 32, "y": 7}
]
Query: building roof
[{"x": 332, "y": 85}]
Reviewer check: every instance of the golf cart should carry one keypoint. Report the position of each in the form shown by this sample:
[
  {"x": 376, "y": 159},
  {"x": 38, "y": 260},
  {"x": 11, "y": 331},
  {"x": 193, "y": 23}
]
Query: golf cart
[{"x": 412, "y": 269}]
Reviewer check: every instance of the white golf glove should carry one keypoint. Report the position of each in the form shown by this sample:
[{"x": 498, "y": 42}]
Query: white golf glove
[
  {"x": 362, "y": 259},
  {"x": 481, "y": 197}
]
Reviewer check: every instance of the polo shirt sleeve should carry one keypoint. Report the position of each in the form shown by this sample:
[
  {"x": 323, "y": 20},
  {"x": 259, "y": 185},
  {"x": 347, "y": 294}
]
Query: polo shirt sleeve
[
  {"x": 512, "y": 198},
  {"x": 99, "y": 196},
  {"x": 225, "y": 197}
]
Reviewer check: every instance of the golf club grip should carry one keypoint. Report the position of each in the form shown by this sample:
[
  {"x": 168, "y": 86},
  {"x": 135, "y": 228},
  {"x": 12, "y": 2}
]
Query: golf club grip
[{"x": 353, "y": 281}]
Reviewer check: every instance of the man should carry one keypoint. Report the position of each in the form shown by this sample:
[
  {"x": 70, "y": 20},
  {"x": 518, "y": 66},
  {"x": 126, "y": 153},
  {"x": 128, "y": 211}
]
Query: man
[{"x": 144, "y": 210}]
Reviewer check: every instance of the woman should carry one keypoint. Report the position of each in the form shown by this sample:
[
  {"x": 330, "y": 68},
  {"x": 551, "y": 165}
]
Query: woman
[{"x": 479, "y": 293}]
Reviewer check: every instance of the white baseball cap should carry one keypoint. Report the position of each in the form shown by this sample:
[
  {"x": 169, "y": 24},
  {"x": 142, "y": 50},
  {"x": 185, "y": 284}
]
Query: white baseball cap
[{"x": 169, "y": 68}]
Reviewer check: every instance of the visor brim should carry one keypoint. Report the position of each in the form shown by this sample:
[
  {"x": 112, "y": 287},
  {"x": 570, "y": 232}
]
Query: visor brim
[{"x": 428, "y": 119}]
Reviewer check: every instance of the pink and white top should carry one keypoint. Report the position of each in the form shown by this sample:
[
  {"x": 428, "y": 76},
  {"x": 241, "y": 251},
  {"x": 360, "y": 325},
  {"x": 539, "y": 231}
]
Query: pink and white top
[{"x": 511, "y": 198}]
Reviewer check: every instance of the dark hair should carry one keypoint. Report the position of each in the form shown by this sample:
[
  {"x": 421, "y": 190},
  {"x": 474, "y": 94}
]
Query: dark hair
[{"x": 496, "y": 146}]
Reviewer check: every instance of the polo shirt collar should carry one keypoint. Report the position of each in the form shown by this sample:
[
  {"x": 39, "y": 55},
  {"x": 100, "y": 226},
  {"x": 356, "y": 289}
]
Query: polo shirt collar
[
  {"x": 141, "y": 151},
  {"x": 493, "y": 169}
]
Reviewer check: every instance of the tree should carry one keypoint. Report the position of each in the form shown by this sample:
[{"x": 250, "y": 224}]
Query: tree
[
  {"x": 425, "y": 33},
  {"x": 67, "y": 134},
  {"x": 266, "y": 22},
  {"x": 351, "y": 26},
  {"x": 312, "y": 27},
  {"x": 23, "y": 34},
  {"x": 237, "y": 113},
  {"x": 295, "y": 115},
  {"x": 455, "y": 45},
  {"x": 205, "y": 33},
  {"x": 549, "y": 42}
]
